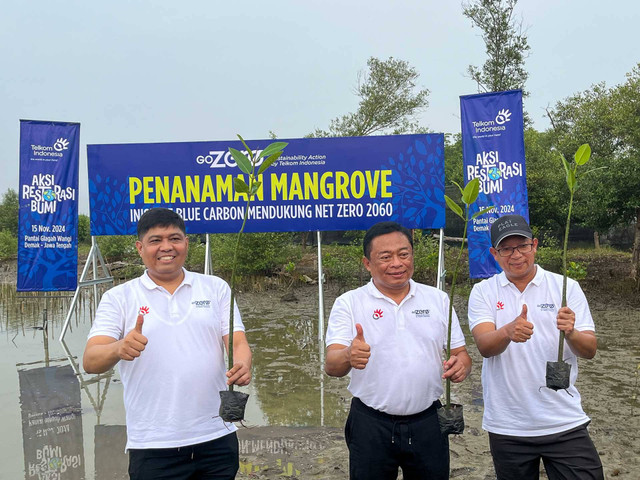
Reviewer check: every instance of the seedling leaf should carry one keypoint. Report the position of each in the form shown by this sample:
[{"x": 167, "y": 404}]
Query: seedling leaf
[
  {"x": 267, "y": 163},
  {"x": 471, "y": 191},
  {"x": 240, "y": 186},
  {"x": 273, "y": 148},
  {"x": 482, "y": 212},
  {"x": 583, "y": 154},
  {"x": 454, "y": 206},
  {"x": 243, "y": 162}
]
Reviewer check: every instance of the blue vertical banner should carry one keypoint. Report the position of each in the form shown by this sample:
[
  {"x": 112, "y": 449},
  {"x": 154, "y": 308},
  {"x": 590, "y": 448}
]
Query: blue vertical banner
[
  {"x": 48, "y": 216},
  {"x": 493, "y": 151}
]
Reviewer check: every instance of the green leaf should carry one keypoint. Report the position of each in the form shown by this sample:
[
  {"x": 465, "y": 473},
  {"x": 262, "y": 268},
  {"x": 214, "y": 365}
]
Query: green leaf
[
  {"x": 273, "y": 148},
  {"x": 267, "y": 163},
  {"x": 459, "y": 187},
  {"x": 471, "y": 191},
  {"x": 455, "y": 208},
  {"x": 240, "y": 186},
  {"x": 255, "y": 187},
  {"x": 482, "y": 212},
  {"x": 583, "y": 154},
  {"x": 243, "y": 162},
  {"x": 249, "y": 151}
]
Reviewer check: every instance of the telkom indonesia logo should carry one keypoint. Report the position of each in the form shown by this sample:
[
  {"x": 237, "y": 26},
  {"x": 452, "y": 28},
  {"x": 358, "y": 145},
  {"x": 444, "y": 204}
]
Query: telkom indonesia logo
[
  {"x": 503, "y": 116},
  {"x": 377, "y": 314},
  {"x": 143, "y": 310},
  {"x": 61, "y": 144},
  {"x": 500, "y": 305}
]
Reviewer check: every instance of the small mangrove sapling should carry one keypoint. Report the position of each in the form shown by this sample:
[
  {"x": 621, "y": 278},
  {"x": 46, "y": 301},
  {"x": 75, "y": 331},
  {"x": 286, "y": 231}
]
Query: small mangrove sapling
[
  {"x": 232, "y": 403},
  {"x": 451, "y": 415},
  {"x": 559, "y": 372}
]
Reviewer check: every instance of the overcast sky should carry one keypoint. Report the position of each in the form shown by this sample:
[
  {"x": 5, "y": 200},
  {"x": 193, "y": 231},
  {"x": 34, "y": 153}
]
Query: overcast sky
[{"x": 167, "y": 71}]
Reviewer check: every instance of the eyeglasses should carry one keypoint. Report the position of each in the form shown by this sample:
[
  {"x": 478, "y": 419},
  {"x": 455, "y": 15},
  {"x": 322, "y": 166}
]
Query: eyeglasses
[{"x": 508, "y": 251}]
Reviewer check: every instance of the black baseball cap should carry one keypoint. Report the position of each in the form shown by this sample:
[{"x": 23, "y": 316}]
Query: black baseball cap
[{"x": 509, "y": 225}]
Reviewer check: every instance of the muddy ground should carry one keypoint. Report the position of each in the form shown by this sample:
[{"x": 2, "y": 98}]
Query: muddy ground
[{"x": 609, "y": 386}]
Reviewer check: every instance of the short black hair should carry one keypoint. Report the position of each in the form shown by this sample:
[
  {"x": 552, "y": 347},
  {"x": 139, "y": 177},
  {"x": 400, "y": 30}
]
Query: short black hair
[
  {"x": 159, "y": 217},
  {"x": 382, "y": 228}
]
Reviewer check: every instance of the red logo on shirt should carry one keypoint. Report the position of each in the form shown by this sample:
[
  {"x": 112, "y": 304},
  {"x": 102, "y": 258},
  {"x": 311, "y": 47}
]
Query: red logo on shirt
[
  {"x": 500, "y": 305},
  {"x": 143, "y": 310},
  {"x": 377, "y": 314}
]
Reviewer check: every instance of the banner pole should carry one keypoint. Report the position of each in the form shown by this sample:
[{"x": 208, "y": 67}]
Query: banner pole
[
  {"x": 320, "y": 292},
  {"x": 441, "y": 270},
  {"x": 207, "y": 256}
]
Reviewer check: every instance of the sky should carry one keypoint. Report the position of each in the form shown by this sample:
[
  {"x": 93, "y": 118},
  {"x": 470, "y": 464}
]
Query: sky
[{"x": 167, "y": 71}]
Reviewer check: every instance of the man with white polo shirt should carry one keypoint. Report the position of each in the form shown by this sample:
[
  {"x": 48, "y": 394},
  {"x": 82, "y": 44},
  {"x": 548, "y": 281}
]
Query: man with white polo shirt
[
  {"x": 390, "y": 335},
  {"x": 167, "y": 331},
  {"x": 516, "y": 318}
]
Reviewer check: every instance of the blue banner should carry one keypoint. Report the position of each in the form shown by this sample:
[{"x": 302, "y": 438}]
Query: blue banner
[
  {"x": 48, "y": 218},
  {"x": 493, "y": 151},
  {"x": 346, "y": 183}
]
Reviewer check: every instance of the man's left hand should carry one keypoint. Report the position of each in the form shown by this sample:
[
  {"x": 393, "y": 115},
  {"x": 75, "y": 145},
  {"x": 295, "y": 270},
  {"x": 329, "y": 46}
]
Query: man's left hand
[
  {"x": 566, "y": 320},
  {"x": 240, "y": 374},
  {"x": 455, "y": 369}
]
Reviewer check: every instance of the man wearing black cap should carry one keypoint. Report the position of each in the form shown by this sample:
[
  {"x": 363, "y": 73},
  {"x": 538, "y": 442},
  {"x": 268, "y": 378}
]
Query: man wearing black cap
[{"x": 515, "y": 317}]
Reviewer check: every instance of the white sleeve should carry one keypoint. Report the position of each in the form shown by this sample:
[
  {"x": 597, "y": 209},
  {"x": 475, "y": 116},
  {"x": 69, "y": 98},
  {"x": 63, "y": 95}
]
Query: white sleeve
[
  {"x": 480, "y": 310},
  {"x": 109, "y": 319},
  {"x": 341, "y": 328}
]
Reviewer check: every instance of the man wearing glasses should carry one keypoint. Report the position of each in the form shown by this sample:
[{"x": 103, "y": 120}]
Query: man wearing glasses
[{"x": 516, "y": 317}]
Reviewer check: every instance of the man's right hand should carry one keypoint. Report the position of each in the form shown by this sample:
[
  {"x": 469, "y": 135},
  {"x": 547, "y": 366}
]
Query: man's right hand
[
  {"x": 359, "y": 351},
  {"x": 520, "y": 330},
  {"x": 134, "y": 342}
]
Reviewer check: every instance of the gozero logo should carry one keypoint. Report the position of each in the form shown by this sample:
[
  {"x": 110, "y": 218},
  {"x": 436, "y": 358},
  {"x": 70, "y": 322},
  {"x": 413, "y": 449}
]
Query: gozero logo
[{"x": 222, "y": 159}]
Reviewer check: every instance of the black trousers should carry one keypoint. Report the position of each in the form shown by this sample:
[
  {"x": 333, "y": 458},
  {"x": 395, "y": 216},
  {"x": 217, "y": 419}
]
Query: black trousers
[
  {"x": 216, "y": 459},
  {"x": 568, "y": 455},
  {"x": 380, "y": 443}
]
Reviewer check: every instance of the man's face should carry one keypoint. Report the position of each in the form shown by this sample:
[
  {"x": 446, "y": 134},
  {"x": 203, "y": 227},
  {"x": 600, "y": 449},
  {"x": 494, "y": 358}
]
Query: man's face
[
  {"x": 163, "y": 251},
  {"x": 390, "y": 262},
  {"x": 517, "y": 266}
]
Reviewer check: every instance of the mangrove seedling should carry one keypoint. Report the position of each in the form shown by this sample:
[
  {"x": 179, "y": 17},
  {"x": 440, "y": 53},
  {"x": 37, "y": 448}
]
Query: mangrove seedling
[
  {"x": 451, "y": 415},
  {"x": 558, "y": 373},
  {"x": 232, "y": 403}
]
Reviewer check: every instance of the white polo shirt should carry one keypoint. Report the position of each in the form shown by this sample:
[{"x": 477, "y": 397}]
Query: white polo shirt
[
  {"x": 514, "y": 403},
  {"x": 171, "y": 391},
  {"x": 404, "y": 373}
]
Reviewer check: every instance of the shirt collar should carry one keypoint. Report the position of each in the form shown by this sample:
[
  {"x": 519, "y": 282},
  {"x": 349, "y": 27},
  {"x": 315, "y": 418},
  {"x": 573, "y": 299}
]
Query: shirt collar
[
  {"x": 149, "y": 284},
  {"x": 373, "y": 290}
]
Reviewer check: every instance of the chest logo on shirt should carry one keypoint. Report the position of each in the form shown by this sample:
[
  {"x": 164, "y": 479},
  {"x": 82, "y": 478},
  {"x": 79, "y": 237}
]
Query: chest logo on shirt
[
  {"x": 143, "y": 310},
  {"x": 421, "y": 313},
  {"x": 499, "y": 305},
  {"x": 201, "y": 303},
  {"x": 547, "y": 307},
  {"x": 377, "y": 314}
]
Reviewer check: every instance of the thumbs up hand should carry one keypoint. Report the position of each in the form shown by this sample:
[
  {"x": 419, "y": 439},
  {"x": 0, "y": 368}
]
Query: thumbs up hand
[
  {"x": 134, "y": 342},
  {"x": 359, "y": 351},
  {"x": 520, "y": 330}
]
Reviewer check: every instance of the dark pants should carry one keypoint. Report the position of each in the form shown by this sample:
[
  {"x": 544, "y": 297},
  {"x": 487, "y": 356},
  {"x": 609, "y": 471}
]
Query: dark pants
[
  {"x": 379, "y": 444},
  {"x": 214, "y": 459},
  {"x": 568, "y": 455}
]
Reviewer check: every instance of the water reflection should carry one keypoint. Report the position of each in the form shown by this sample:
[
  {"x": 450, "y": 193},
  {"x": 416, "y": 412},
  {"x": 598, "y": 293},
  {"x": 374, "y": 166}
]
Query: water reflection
[
  {"x": 72, "y": 424},
  {"x": 51, "y": 423}
]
